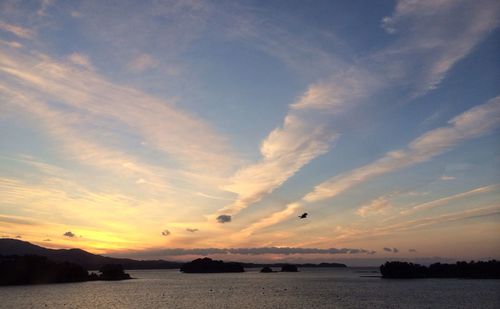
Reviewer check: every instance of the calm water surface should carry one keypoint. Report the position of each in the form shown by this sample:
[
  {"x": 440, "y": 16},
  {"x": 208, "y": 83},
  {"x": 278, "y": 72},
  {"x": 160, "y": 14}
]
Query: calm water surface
[{"x": 310, "y": 288}]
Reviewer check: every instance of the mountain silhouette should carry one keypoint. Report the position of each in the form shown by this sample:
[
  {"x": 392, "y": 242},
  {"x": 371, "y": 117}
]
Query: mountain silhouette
[
  {"x": 81, "y": 257},
  {"x": 9, "y": 247}
]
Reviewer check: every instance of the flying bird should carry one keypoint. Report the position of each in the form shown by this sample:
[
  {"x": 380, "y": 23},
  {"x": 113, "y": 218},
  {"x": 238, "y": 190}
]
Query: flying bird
[{"x": 303, "y": 216}]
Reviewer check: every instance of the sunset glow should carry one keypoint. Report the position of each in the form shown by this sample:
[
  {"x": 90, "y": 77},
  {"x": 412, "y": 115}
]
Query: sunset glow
[{"x": 181, "y": 129}]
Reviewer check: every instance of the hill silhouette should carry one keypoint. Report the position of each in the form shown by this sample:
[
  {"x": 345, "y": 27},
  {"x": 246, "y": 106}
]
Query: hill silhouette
[
  {"x": 9, "y": 247},
  {"x": 81, "y": 257},
  {"x": 35, "y": 269}
]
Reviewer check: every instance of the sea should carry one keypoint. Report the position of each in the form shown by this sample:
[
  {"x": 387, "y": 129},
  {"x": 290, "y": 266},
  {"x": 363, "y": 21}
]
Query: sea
[{"x": 309, "y": 288}]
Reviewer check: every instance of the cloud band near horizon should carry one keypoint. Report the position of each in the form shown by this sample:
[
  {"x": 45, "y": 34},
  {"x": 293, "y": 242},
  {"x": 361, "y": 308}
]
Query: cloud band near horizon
[{"x": 264, "y": 250}]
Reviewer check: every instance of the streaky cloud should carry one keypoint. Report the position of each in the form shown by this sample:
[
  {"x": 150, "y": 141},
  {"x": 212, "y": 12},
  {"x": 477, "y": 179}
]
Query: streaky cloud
[
  {"x": 352, "y": 84},
  {"x": 285, "y": 151},
  {"x": 417, "y": 224},
  {"x": 263, "y": 250},
  {"x": 21, "y": 32},
  {"x": 448, "y": 199},
  {"x": 376, "y": 206},
  {"x": 78, "y": 88},
  {"x": 473, "y": 123}
]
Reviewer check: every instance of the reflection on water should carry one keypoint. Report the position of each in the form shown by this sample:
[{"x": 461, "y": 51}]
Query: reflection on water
[{"x": 310, "y": 288}]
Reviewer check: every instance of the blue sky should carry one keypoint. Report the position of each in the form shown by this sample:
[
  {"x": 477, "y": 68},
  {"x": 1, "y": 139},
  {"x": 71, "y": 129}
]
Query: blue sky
[{"x": 119, "y": 121}]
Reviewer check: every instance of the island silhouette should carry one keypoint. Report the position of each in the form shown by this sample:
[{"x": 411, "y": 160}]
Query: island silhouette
[
  {"x": 207, "y": 265},
  {"x": 34, "y": 269},
  {"x": 267, "y": 270},
  {"x": 476, "y": 270}
]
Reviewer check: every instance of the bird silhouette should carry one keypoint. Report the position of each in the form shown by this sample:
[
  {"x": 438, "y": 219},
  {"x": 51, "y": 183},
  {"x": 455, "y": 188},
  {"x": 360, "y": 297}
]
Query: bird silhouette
[{"x": 303, "y": 216}]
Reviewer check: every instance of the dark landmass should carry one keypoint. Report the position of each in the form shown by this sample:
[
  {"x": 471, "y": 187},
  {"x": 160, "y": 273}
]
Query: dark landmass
[
  {"x": 89, "y": 261},
  {"x": 476, "y": 270},
  {"x": 34, "y": 269},
  {"x": 207, "y": 265},
  {"x": 113, "y": 272},
  {"x": 77, "y": 256},
  {"x": 267, "y": 270},
  {"x": 289, "y": 268}
]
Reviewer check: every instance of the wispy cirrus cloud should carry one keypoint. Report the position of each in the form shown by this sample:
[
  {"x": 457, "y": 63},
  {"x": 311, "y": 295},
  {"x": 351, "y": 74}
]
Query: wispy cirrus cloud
[
  {"x": 354, "y": 84},
  {"x": 473, "y": 123},
  {"x": 436, "y": 35},
  {"x": 446, "y": 200},
  {"x": 274, "y": 218},
  {"x": 376, "y": 206},
  {"x": 82, "y": 60},
  {"x": 284, "y": 152},
  {"x": 175, "y": 132},
  {"x": 340, "y": 92},
  {"x": 18, "y": 31},
  {"x": 418, "y": 224},
  {"x": 60, "y": 125},
  {"x": 15, "y": 220}
]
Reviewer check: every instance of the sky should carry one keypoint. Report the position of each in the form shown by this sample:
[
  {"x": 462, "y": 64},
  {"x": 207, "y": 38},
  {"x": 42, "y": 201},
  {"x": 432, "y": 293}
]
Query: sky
[{"x": 179, "y": 129}]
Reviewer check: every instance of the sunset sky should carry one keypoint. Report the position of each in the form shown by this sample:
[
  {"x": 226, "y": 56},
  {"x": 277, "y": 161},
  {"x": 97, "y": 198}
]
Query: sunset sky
[{"x": 174, "y": 129}]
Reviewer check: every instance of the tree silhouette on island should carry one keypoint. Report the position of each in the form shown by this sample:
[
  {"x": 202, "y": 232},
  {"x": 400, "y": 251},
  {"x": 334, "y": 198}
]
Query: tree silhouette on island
[
  {"x": 476, "y": 270},
  {"x": 207, "y": 265},
  {"x": 34, "y": 269}
]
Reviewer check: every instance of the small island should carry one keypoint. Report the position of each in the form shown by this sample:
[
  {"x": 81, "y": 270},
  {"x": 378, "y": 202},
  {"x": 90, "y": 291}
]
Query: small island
[
  {"x": 34, "y": 269},
  {"x": 267, "y": 270},
  {"x": 207, "y": 265},
  {"x": 111, "y": 272},
  {"x": 472, "y": 270}
]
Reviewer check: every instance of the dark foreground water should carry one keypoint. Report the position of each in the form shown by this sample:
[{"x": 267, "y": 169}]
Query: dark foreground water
[{"x": 310, "y": 288}]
